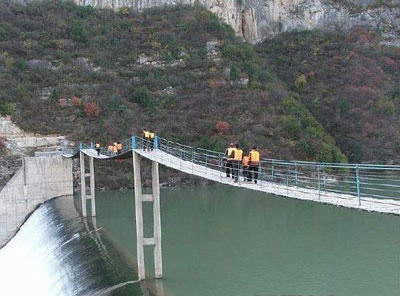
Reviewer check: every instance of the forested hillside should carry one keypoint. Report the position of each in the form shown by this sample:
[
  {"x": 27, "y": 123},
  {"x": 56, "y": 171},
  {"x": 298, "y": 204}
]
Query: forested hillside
[
  {"x": 349, "y": 82},
  {"x": 103, "y": 75}
]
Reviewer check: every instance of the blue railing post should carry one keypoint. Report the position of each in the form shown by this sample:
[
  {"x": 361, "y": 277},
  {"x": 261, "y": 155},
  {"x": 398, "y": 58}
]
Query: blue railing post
[
  {"x": 295, "y": 172},
  {"x": 156, "y": 142},
  {"x": 319, "y": 183},
  {"x": 91, "y": 145},
  {"x": 80, "y": 146},
  {"x": 358, "y": 184},
  {"x": 133, "y": 142},
  {"x": 287, "y": 175},
  {"x": 272, "y": 170}
]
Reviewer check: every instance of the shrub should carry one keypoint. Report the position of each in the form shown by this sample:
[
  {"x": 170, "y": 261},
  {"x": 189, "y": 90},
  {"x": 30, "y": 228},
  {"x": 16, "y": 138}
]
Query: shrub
[
  {"x": 234, "y": 73},
  {"x": 92, "y": 109},
  {"x": 79, "y": 33},
  {"x": 222, "y": 127},
  {"x": 142, "y": 96},
  {"x": 343, "y": 106},
  {"x": 7, "y": 108},
  {"x": 386, "y": 106},
  {"x": 291, "y": 125},
  {"x": 300, "y": 81},
  {"x": 241, "y": 52}
]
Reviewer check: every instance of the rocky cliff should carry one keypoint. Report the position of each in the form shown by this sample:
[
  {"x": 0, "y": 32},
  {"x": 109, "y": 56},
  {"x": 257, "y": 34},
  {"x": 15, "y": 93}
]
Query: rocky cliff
[{"x": 256, "y": 20}]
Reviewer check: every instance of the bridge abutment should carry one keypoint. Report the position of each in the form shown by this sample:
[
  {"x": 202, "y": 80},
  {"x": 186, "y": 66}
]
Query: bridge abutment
[{"x": 139, "y": 199}]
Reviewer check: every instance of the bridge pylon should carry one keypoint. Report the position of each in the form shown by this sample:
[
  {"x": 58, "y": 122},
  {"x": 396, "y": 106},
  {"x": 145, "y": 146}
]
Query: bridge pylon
[
  {"x": 139, "y": 199},
  {"x": 90, "y": 175}
]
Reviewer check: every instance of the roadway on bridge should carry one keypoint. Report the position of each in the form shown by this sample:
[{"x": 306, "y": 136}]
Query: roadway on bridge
[{"x": 171, "y": 161}]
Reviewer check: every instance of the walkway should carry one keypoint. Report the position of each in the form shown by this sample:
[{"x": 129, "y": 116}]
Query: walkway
[{"x": 209, "y": 165}]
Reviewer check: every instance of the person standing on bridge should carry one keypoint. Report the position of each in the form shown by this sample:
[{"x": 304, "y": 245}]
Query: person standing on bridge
[
  {"x": 229, "y": 160},
  {"x": 114, "y": 148},
  {"x": 110, "y": 148},
  {"x": 152, "y": 136},
  {"x": 254, "y": 156},
  {"x": 98, "y": 148},
  {"x": 119, "y": 147},
  {"x": 238, "y": 157},
  {"x": 146, "y": 137},
  {"x": 245, "y": 166}
]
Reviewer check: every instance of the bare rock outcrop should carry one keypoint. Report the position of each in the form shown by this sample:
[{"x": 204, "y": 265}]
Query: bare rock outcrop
[
  {"x": 19, "y": 142},
  {"x": 256, "y": 20}
]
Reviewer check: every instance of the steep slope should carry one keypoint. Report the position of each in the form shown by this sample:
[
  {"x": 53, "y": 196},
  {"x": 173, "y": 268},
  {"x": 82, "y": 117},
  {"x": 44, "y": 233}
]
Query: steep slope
[
  {"x": 349, "y": 82},
  {"x": 256, "y": 20},
  {"x": 99, "y": 75}
]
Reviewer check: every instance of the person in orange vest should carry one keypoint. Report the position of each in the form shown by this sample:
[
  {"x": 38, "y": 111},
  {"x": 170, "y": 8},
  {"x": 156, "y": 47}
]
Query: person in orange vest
[
  {"x": 229, "y": 160},
  {"x": 152, "y": 136},
  {"x": 98, "y": 148},
  {"x": 110, "y": 148},
  {"x": 237, "y": 159},
  {"x": 255, "y": 159},
  {"x": 114, "y": 148},
  {"x": 119, "y": 148},
  {"x": 146, "y": 137},
  {"x": 245, "y": 166}
]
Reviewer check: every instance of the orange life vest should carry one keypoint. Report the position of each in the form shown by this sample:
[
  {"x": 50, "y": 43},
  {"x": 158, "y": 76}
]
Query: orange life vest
[
  {"x": 119, "y": 146},
  {"x": 229, "y": 152},
  {"x": 238, "y": 154},
  {"x": 254, "y": 157}
]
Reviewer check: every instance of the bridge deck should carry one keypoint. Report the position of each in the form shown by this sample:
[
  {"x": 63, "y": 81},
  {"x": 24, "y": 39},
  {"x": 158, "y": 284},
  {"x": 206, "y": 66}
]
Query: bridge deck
[{"x": 343, "y": 200}]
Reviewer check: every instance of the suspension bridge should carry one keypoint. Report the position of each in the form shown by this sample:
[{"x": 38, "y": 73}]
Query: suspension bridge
[{"x": 366, "y": 187}]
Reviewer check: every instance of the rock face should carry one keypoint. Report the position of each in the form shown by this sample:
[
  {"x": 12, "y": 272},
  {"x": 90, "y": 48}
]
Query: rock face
[
  {"x": 256, "y": 20},
  {"x": 20, "y": 143}
]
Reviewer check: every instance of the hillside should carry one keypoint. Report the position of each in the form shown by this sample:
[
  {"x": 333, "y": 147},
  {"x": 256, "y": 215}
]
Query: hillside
[
  {"x": 349, "y": 82},
  {"x": 177, "y": 70},
  {"x": 99, "y": 75}
]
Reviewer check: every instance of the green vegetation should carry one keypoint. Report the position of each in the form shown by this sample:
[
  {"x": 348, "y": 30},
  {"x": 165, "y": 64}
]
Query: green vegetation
[
  {"x": 303, "y": 95},
  {"x": 349, "y": 83}
]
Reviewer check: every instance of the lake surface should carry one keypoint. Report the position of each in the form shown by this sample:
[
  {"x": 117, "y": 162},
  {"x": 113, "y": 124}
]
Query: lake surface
[{"x": 225, "y": 241}]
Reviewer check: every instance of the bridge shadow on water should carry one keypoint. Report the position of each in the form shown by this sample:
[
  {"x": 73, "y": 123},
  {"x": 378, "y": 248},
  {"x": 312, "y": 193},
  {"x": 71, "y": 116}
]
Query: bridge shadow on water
[{"x": 57, "y": 252}]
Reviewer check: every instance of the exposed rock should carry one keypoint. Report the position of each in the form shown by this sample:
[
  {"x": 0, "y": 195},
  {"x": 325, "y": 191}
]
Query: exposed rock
[
  {"x": 169, "y": 91},
  {"x": 20, "y": 142},
  {"x": 45, "y": 93},
  {"x": 213, "y": 49},
  {"x": 86, "y": 64},
  {"x": 256, "y": 20},
  {"x": 240, "y": 82},
  {"x": 156, "y": 61},
  {"x": 38, "y": 64}
]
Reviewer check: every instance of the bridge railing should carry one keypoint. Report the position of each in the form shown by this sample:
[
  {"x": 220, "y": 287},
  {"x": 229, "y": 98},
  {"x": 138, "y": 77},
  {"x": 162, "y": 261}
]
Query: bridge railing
[{"x": 358, "y": 181}]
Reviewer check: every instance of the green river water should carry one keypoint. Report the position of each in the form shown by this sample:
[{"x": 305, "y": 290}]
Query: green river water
[{"x": 225, "y": 241}]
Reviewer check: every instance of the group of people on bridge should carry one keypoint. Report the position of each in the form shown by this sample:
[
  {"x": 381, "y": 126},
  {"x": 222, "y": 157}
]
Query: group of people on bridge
[
  {"x": 148, "y": 136},
  {"x": 237, "y": 160}
]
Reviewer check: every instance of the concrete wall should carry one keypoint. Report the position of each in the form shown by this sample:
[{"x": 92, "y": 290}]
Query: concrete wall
[{"x": 38, "y": 180}]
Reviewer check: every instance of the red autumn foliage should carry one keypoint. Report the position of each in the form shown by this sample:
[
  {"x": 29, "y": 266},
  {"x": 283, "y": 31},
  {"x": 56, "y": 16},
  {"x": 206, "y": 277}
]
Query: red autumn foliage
[
  {"x": 92, "y": 109},
  {"x": 222, "y": 127},
  {"x": 76, "y": 101},
  {"x": 361, "y": 94}
]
